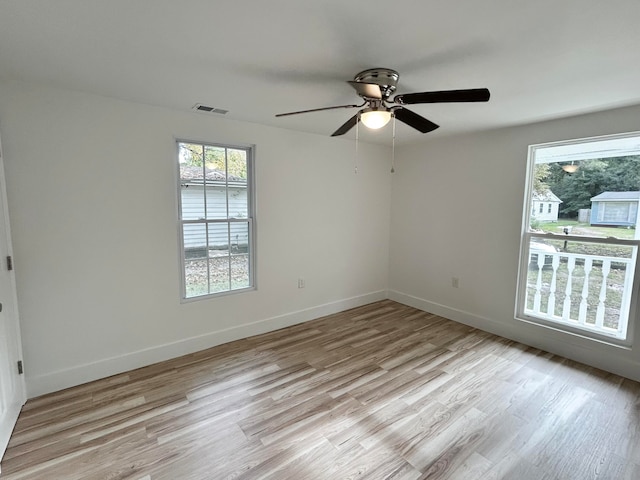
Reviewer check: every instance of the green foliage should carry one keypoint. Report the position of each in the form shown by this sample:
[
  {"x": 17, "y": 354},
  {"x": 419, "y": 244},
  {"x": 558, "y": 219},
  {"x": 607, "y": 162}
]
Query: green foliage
[
  {"x": 540, "y": 173},
  {"x": 593, "y": 177},
  {"x": 214, "y": 158},
  {"x": 534, "y": 223}
]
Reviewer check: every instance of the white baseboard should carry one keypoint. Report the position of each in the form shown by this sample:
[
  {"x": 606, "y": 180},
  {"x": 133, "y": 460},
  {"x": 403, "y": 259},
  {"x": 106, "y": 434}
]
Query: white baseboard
[
  {"x": 537, "y": 337},
  {"x": 460, "y": 316},
  {"x": 606, "y": 357},
  {"x": 61, "y": 379}
]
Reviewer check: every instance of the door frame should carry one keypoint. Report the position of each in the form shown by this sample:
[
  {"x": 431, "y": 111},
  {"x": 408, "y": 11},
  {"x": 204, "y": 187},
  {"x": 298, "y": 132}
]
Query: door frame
[{"x": 12, "y": 327}]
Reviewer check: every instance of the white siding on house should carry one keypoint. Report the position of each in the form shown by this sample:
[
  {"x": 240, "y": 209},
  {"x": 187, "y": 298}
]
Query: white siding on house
[
  {"x": 545, "y": 206},
  {"x": 192, "y": 197},
  {"x": 195, "y": 236},
  {"x": 545, "y": 215},
  {"x": 222, "y": 236}
]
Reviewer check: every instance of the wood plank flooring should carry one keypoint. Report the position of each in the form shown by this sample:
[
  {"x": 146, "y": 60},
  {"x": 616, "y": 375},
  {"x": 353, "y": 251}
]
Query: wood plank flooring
[{"x": 382, "y": 391}]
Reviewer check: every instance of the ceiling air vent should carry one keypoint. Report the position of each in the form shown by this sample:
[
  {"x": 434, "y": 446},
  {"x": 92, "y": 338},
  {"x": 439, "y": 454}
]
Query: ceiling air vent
[{"x": 207, "y": 109}]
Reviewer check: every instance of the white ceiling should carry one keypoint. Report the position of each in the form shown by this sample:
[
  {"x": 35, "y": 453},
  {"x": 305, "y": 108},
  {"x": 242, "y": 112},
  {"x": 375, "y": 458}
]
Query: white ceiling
[{"x": 541, "y": 59}]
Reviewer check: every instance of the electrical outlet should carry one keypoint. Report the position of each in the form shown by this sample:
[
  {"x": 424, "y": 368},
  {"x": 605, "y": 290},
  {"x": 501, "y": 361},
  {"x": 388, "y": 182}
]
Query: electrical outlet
[
  {"x": 455, "y": 282},
  {"x": 301, "y": 283}
]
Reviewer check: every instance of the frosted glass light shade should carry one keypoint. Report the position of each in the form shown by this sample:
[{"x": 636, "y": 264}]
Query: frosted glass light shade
[
  {"x": 570, "y": 168},
  {"x": 375, "y": 119}
]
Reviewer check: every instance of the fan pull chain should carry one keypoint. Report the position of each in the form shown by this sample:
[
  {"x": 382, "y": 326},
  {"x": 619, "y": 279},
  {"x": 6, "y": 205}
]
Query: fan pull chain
[
  {"x": 355, "y": 162},
  {"x": 393, "y": 146}
]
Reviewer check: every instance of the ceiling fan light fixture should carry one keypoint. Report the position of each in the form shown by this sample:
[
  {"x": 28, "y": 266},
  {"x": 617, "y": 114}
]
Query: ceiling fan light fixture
[
  {"x": 572, "y": 168},
  {"x": 375, "y": 118}
]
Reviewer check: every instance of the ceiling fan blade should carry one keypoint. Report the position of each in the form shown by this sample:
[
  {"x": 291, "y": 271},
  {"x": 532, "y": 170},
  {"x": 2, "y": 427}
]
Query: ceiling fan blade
[
  {"x": 368, "y": 90},
  {"x": 346, "y": 126},
  {"x": 414, "y": 120},
  {"x": 445, "y": 96},
  {"x": 318, "y": 110}
]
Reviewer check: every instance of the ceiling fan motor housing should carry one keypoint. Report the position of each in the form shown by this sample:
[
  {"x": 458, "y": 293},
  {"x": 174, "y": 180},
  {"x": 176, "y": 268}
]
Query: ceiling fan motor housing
[{"x": 386, "y": 78}]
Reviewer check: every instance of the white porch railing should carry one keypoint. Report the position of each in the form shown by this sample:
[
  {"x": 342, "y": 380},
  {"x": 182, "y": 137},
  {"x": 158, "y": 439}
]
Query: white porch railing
[{"x": 586, "y": 291}]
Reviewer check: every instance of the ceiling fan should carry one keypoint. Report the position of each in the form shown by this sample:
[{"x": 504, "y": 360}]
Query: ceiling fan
[{"x": 376, "y": 85}]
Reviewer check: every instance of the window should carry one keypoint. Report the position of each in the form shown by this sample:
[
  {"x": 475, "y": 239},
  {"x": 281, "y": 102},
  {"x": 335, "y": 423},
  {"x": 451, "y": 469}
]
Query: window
[
  {"x": 541, "y": 207},
  {"x": 616, "y": 212},
  {"x": 549, "y": 209},
  {"x": 580, "y": 273},
  {"x": 216, "y": 218}
]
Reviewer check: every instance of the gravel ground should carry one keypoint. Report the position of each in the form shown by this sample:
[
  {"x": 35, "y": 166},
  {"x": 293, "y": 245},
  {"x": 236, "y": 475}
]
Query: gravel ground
[{"x": 196, "y": 273}]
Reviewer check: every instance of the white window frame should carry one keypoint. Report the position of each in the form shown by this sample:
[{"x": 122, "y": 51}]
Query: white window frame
[
  {"x": 633, "y": 314},
  {"x": 250, "y": 220}
]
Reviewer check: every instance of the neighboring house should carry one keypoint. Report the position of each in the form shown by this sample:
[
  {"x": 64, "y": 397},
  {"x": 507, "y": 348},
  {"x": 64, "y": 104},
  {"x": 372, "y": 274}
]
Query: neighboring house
[
  {"x": 615, "y": 209},
  {"x": 545, "y": 206},
  {"x": 193, "y": 201}
]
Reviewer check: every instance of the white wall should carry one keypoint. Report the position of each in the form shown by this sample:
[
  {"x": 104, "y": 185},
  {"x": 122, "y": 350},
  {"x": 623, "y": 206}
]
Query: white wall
[
  {"x": 92, "y": 198},
  {"x": 457, "y": 212}
]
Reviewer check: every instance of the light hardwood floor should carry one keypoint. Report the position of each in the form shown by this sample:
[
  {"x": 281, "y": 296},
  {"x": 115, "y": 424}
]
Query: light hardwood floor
[{"x": 382, "y": 391}]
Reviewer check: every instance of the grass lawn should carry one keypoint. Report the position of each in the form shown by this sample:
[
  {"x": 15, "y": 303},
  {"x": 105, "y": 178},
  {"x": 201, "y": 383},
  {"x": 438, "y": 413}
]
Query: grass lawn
[
  {"x": 599, "y": 249},
  {"x": 586, "y": 229}
]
